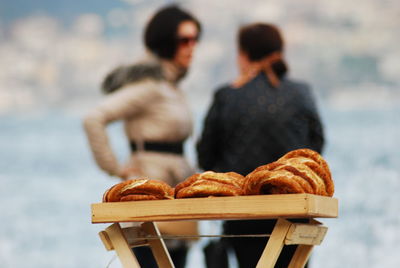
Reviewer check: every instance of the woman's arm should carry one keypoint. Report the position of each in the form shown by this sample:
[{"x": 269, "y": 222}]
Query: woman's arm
[{"x": 119, "y": 105}]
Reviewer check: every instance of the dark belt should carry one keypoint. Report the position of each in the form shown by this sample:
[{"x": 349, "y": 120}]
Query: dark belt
[{"x": 164, "y": 147}]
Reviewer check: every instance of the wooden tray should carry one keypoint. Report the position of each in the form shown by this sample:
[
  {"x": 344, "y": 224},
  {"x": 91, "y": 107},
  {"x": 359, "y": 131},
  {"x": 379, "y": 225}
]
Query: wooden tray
[{"x": 218, "y": 208}]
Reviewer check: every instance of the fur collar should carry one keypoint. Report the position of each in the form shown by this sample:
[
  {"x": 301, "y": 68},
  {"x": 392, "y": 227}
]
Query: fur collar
[{"x": 150, "y": 68}]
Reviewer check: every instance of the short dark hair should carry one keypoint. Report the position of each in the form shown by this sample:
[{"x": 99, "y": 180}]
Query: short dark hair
[
  {"x": 258, "y": 40},
  {"x": 160, "y": 35}
]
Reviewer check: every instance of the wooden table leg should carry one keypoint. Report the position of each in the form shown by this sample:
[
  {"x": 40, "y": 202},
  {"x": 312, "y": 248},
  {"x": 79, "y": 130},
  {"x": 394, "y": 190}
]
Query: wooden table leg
[
  {"x": 275, "y": 244},
  {"x": 157, "y": 246},
  {"x": 300, "y": 256},
  {"x": 121, "y": 246},
  {"x": 306, "y": 236}
]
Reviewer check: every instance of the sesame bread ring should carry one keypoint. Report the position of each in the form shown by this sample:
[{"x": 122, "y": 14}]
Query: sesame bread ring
[
  {"x": 137, "y": 197},
  {"x": 210, "y": 183},
  {"x": 205, "y": 188},
  {"x": 229, "y": 178},
  {"x": 186, "y": 183},
  {"x": 114, "y": 193},
  {"x": 319, "y": 168},
  {"x": 308, "y": 153},
  {"x": 159, "y": 189},
  {"x": 305, "y": 172},
  {"x": 272, "y": 182},
  {"x": 136, "y": 187},
  {"x": 303, "y": 167}
]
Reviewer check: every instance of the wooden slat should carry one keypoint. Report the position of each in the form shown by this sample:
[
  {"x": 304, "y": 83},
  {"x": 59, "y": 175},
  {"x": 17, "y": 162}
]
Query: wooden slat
[
  {"x": 106, "y": 240},
  {"x": 275, "y": 244},
  {"x": 217, "y": 208},
  {"x": 320, "y": 204},
  {"x": 305, "y": 234},
  {"x": 121, "y": 246},
  {"x": 300, "y": 256},
  {"x": 134, "y": 237}
]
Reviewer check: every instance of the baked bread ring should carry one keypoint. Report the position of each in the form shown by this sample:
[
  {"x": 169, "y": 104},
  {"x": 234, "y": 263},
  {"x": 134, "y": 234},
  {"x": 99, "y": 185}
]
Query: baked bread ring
[
  {"x": 310, "y": 154},
  {"x": 139, "y": 189},
  {"x": 186, "y": 183},
  {"x": 316, "y": 163},
  {"x": 302, "y": 168},
  {"x": 274, "y": 182},
  {"x": 137, "y": 197},
  {"x": 210, "y": 183},
  {"x": 229, "y": 178},
  {"x": 114, "y": 192},
  {"x": 204, "y": 188}
]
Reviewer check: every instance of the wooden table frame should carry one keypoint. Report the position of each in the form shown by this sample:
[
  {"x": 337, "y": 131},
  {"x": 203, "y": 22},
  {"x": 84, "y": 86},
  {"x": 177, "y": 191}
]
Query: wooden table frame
[{"x": 280, "y": 207}]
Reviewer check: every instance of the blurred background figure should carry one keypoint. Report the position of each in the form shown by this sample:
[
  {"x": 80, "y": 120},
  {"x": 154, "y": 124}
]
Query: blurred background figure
[
  {"x": 156, "y": 116},
  {"x": 255, "y": 120}
]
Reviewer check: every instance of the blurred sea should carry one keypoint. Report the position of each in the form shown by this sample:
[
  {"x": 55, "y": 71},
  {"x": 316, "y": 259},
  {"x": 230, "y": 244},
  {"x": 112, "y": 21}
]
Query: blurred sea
[{"x": 48, "y": 181}]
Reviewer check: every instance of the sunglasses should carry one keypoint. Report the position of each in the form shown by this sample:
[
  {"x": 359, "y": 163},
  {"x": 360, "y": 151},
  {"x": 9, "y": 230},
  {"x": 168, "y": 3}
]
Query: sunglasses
[{"x": 186, "y": 40}]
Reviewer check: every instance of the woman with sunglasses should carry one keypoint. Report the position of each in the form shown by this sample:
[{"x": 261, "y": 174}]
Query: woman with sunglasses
[
  {"x": 155, "y": 113},
  {"x": 255, "y": 120}
]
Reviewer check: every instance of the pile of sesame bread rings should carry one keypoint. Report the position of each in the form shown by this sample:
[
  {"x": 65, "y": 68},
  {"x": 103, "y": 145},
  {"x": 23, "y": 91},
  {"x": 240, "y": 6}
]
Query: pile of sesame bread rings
[{"x": 298, "y": 171}]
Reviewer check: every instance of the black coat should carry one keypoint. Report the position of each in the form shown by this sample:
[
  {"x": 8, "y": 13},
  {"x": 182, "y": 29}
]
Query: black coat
[
  {"x": 251, "y": 126},
  {"x": 256, "y": 124}
]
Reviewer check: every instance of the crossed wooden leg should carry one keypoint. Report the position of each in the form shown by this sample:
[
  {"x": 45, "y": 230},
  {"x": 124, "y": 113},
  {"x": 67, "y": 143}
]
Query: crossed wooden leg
[
  {"x": 123, "y": 239},
  {"x": 287, "y": 233},
  {"x": 116, "y": 240},
  {"x": 284, "y": 233}
]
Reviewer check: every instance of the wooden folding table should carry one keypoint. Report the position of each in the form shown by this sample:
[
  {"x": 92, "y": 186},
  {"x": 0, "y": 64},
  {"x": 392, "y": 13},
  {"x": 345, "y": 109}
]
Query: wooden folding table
[{"x": 280, "y": 207}]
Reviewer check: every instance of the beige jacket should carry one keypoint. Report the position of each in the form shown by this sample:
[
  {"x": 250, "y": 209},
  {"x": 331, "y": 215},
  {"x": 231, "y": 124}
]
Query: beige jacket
[{"x": 152, "y": 110}]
